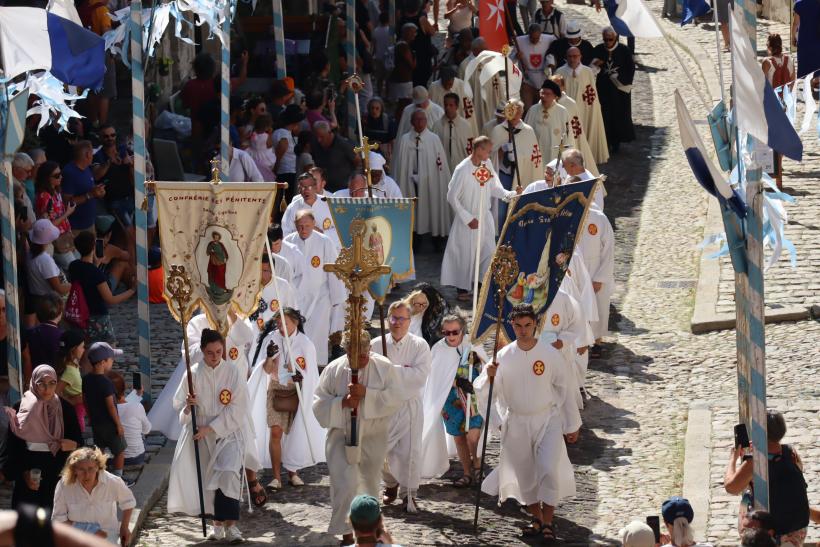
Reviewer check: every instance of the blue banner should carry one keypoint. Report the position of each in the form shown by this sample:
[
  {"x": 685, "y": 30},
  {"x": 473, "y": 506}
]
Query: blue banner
[
  {"x": 543, "y": 229},
  {"x": 389, "y": 231}
]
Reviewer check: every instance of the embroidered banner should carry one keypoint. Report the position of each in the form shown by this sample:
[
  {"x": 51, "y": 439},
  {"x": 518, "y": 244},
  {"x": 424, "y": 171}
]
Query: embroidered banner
[
  {"x": 389, "y": 230},
  {"x": 217, "y": 232},
  {"x": 542, "y": 228}
]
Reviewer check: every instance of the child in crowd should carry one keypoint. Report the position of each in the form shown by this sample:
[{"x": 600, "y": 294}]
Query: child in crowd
[
  {"x": 134, "y": 421},
  {"x": 100, "y": 402},
  {"x": 70, "y": 386},
  {"x": 261, "y": 149}
]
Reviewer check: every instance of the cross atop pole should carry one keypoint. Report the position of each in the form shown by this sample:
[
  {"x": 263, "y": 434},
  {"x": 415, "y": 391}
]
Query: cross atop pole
[{"x": 365, "y": 150}]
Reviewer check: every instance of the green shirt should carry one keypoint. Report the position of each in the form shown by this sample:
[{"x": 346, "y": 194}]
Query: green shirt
[{"x": 73, "y": 381}]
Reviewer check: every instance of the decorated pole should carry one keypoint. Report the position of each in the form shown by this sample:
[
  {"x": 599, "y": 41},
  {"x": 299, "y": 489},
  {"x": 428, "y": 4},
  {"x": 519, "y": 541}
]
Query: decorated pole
[
  {"x": 279, "y": 38},
  {"x": 225, "y": 99},
  {"x": 350, "y": 54},
  {"x": 505, "y": 269},
  {"x": 178, "y": 285},
  {"x": 12, "y": 133},
  {"x": 140, "y": 212}
]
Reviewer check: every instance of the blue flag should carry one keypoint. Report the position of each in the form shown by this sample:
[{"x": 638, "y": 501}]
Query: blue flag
[
  {"x": 542, "y": 228},
  {"x": 693, "y": 9},
  {"x": 389, "y": 231}
]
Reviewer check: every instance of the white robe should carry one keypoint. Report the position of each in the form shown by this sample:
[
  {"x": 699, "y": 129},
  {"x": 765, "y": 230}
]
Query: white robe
[
  {"x": 411, "y": 357},
  {"x": 466, "y": 104},
  {"x": 577, "y": 131},
  {"x": 533, "y": 464},
  {"x": 222, "y": 404},
  {"x": 269, "y": 303},
  {"x": 530, "y": 154},
  {"x": 296, "y": 454},
  {"x": 563, "y": 321},
  {"x": 597, "y": 244},
  {"x": 437, "y": 446},
  {"x": 433, "y": 214},
  {"x": 320, "y": 294},
  {"x": 380, "y": 402},
  {"x": 321, "y": 212},
  {"x": 386, "y": 188},
  {"x": 464, "y": 194},
  {"x": 550, "y": 130},
  {"x": 456, "y": 138},
  {"x": 580, "y": 85},
  {"x": 165, "y": 418},
  {"x": 578, "y": 285},
  {"x": 433, "y": 112},
  {"x": 597, "y": 195}
]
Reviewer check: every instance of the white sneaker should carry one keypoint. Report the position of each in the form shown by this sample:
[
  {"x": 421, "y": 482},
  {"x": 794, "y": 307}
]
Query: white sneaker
[
  {"x": 233, "y": 535},
  {"x": 217, "y": 533},
  {"x": 296, "y": 480},
  {"x": 275, "y": 484}
]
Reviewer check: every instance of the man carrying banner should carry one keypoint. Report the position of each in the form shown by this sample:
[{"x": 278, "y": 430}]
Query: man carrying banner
[
  {"x": 456, "y": 133},
  {"x": 410, "y": 355},
  {"x": 355, "y": 469},
  {"x": 320, "y": 293},
  {"x": 532, "y": 390},
  {"x": 464, "y": 195}
]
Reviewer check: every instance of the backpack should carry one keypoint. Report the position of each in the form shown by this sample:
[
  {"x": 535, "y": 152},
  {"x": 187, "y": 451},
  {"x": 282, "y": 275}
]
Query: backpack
[
  {"x": 781, "y": 71},
  {"x": 76, "y": 308},
  {"x": 788, "y": 500}
]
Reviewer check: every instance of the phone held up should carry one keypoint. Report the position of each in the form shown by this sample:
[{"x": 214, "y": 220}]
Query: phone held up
[
  {"x": 742, "y": 441},
  {"x": 654, "y": 522}
]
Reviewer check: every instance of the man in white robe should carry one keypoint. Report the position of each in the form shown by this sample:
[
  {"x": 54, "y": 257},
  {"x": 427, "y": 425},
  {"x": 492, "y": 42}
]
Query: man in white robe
[
  {"x": 422, "y": 172},
  {"x": 382, "y": 185},
  {"x": 446, "y": 432},
  {"x": 273, "y": 296},
  {"x": 571, "y": 171},
  {"x": 410, "y": 354},
  {"x": 448, "y": 83},
  {"x": 284, "y": 268},
  {"x": 565, "y": 328},
  {"x": 550, "y": 121},
  {"x": 221, "y": 400},
  {"x": 355, "y": 469},
  {"x": 308, "y": 198},
  {"x": 496, "y": 119},
  {"x": 492, "y": 92},
  {"x": 320, "y": 294},
  {"x": 472, "y": 178},
  {"x": 575, "y": 125},
  {"x": 530, "y": 162},
  {"x": 531, "y": 393},
  {"x": 597, "y": 244},
  {"x": 455, "y": 133},
  {"x": 421, "y": 101},
  {"x": 580, "y": 84}
]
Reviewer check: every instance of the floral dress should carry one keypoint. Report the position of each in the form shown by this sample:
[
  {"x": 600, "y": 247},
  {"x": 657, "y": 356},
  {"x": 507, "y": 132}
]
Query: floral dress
[{"x": 453, "y": 414}]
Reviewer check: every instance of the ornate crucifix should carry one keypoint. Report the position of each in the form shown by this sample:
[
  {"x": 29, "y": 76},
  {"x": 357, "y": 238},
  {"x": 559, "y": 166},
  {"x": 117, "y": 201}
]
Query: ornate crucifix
[
  {"x": 365, "y": 150},
  {"x": 357, "y": 267}
]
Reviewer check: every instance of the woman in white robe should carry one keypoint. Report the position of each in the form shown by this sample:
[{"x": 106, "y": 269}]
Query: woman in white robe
[{"x": 299, "y": 447}]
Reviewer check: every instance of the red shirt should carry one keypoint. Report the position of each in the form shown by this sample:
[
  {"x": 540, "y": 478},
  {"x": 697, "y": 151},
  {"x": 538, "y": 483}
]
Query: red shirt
[
  {"x": 51, "y": 207},
  {"x": 197, "y": 92}
]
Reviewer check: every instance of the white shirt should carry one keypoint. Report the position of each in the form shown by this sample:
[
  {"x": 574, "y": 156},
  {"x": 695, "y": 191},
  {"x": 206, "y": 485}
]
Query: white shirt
[
  {"x": 287, "y": 163},
  {"x": 135, "y": 424},
  {"x": 40, "y": 269},
  {"x": 533, "y": 54},
  {"x": 242, "y": 168},
  {"x": 73, "y": 502}
]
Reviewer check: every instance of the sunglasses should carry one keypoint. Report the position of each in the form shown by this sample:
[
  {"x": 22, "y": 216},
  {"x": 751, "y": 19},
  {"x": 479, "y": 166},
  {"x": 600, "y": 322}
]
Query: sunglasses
[{"x": 451, "y": 332}]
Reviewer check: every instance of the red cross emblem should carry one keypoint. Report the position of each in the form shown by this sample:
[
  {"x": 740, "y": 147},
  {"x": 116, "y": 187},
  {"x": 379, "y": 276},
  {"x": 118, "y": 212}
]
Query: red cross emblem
[
  {"x": 438, "y": 162},
  {"x": 536, "y": 155},
  {"x": 538, "y": 368},
  {"x": 589, "y": 95},
  {"x": 225, "y": 397},
  {"x": 535, "y": 60},
  {"x": 470, "y": 145},
  {"x": 233, "y": 353},
  {"x": 315, "y": 261},
  {"x": 576, "y": 126},
  {"x": 515, "y": 70},
  {"x": 592, "y": 229},
  {"x": 468, "y": 108},
  {"x": 301, "y": 362},
  {"x": 482, "y": 174},
  {"x": 555, "y": 319}
]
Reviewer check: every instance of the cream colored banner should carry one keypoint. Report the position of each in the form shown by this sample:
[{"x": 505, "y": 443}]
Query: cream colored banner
[{"x": 217, "y": 232}]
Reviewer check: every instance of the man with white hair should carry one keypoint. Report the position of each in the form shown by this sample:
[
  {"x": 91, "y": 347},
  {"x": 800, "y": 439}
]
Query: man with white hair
[
  {"x": 422, "y": 171},
  {"x": 581, "y": 86},
  {"x": 334, "y": 154},
  {"x": 22, "y": 168},
  {"x": 550, "y": 121},
  {"x": 455, "y": 132},
  {"x": 572, "y": 170},
  {"x": 421, "y": 101},
  {"x": 309, "y": 198}
]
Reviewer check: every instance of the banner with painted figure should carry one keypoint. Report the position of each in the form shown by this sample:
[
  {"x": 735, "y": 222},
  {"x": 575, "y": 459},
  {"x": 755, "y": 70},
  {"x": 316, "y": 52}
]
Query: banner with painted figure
[
  {"x": 542, "y": 228},
  {"x": 389, "y": 231},
  {"x": 217, "y": 232}
]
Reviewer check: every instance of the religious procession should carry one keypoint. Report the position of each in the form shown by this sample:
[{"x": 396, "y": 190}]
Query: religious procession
[{"x": 415, "y": 272}]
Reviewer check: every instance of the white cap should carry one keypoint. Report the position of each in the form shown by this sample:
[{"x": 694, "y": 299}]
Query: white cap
[
  {"x": 573, "y": 29},
  {"x": 637, "y": 534},
  {"x": 420, "y": 94},
  {"x": 377, "y": 162},
  {"x": 43, "y": 232}
]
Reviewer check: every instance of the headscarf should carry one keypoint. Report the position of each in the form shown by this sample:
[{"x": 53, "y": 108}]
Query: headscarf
[{"x": 40, "y": 421}]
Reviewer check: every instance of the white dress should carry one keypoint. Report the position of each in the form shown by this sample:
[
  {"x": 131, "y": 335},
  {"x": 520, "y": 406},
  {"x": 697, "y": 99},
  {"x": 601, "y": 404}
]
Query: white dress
[{"x": 263, "y": 156}]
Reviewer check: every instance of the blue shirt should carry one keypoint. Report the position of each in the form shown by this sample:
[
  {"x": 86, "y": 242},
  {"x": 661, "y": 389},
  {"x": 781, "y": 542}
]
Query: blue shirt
[{"x": 78, "y": 182}]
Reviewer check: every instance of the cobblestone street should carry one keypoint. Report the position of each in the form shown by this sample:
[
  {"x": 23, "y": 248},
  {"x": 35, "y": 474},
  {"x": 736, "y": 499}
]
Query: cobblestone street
[{"x": 630, "y": 454}]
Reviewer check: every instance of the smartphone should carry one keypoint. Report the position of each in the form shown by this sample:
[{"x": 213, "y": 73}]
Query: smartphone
[
  {"x": 654, "y": 522},
  {"x": 136, "y": 381},
  {"x": 741, "y": 436},
  {"x": 99, "y": 248}
]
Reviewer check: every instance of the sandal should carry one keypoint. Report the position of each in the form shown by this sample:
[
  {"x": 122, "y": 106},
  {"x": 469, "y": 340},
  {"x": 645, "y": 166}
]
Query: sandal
[
  {"x": 535, "y": 529},
  {"x": 260, "y": 497},
  {"x": 548, "y": 531},
  {"x": 465, "y": 481}
]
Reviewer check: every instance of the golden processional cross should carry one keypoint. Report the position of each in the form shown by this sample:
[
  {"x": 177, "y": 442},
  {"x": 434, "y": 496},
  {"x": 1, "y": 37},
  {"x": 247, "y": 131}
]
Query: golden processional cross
[{"x": 357, "y": 267}]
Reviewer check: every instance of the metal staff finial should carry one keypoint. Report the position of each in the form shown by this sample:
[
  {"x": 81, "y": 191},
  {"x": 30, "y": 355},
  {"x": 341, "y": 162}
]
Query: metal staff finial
[{"x": 215, "y": 171}]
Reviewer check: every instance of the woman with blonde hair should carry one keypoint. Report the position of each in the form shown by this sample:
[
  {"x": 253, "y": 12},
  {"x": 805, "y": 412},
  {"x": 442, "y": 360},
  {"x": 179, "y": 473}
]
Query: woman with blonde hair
[{"x": 88, "y": 496}]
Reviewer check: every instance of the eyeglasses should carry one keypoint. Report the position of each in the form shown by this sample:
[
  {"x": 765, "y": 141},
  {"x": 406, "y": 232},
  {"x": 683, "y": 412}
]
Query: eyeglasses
[
  {"x": 394, "y": 319},
  {"x": 420, "y": 304},
  {"x": 451, "y": 332},
  {"x": 46, "y": 384}
]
